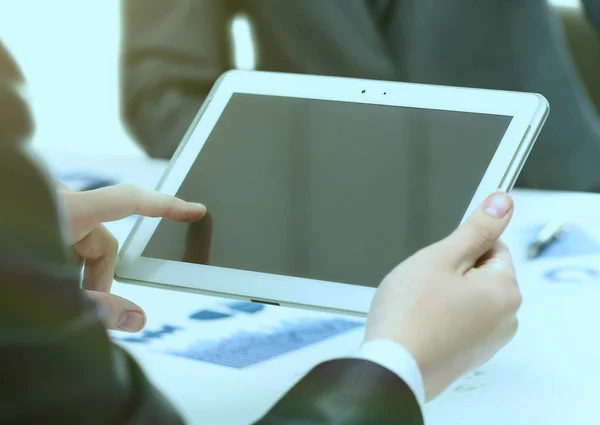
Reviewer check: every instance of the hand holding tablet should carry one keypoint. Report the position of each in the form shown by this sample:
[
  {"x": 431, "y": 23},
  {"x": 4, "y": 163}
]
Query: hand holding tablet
[{"x": 453, "y": 304}]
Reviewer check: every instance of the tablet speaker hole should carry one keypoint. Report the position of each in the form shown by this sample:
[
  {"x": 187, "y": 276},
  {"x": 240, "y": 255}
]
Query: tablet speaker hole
[{"x": 265, "y": 302}]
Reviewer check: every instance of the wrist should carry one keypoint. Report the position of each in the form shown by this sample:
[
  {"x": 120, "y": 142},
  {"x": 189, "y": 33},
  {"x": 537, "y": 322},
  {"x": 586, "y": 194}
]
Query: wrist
[{"x": 398, "y": 360}]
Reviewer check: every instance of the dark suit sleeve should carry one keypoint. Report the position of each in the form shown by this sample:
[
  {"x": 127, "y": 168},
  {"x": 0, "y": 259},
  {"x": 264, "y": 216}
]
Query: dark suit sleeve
[
  {"x": 57, "y": 364},
  {"x": 172, "y": 53},
  {"x": 348, "y": 392}
]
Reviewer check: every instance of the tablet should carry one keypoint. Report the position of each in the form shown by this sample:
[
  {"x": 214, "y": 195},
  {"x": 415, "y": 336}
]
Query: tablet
[{"x": 318, "y": 186}]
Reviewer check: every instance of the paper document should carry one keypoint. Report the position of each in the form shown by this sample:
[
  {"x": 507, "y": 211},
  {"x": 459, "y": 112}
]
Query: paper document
[{"x": 240, "y": 334}]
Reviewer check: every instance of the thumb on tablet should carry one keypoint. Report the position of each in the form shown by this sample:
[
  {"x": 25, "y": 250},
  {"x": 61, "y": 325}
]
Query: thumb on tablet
[{"x": 481, "y": 231}]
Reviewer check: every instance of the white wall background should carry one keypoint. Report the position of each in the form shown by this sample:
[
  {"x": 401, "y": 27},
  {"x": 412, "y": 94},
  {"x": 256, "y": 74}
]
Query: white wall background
[{"x": 68, "y": 50}]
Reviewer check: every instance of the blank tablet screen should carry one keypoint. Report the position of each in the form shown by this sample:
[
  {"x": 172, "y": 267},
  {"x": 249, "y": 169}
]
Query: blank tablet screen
[{"x": 326, "y": 190}]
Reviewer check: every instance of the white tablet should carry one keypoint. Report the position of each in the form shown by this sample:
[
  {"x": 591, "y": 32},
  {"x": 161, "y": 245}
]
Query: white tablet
[{"x": 318, "y": 186}]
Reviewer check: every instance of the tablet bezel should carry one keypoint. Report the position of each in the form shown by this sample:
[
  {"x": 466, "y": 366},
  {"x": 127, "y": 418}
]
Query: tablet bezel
[{"x": 528, "y": 112}]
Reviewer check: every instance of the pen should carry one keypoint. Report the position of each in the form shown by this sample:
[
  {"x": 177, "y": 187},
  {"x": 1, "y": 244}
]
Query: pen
[{"x": 546, "y": 237}]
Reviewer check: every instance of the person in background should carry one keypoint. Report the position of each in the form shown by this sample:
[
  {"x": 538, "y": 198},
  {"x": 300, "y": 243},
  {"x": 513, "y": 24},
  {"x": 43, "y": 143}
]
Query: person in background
[
  {"x": 444, "y": 311},
  {"x": 173, "y": 52}
]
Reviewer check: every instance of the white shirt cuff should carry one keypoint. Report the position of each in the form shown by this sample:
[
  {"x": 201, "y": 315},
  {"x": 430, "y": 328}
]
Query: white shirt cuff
[{"x": 397, "y": 359}]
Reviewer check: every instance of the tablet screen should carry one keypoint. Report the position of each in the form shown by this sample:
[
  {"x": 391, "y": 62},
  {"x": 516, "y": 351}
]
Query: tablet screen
[{"x": 328, "y": 190}]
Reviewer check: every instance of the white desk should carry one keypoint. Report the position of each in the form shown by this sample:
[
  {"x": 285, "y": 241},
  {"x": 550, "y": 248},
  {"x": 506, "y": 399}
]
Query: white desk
[{"x": 550, "y": 373}]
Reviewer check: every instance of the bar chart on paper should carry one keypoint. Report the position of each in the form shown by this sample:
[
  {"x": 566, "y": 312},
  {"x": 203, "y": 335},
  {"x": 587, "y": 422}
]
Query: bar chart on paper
[
  {"x": 248, "y": 348},
  {"x": 240, "y": 334}
]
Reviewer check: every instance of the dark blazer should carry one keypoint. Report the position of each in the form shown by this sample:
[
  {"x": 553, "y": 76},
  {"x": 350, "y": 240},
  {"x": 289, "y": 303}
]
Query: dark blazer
[
  {"x": 58, "y": 365},
  {"x": 15, "y": 119},
  {"x": 173, "y": 52},
  {"x": 592, "y": 9}
]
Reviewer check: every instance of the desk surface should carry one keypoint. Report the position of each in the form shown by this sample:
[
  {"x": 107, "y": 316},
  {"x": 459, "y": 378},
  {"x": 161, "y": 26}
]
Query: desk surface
[{"x": 549, "y": 374}]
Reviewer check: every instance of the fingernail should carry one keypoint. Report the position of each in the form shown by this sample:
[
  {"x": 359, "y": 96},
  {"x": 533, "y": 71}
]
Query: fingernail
[
  {"x": 131, "y": 321},
  {"x": 201, "y": 207},
  {"x": 497, "y": 205}
]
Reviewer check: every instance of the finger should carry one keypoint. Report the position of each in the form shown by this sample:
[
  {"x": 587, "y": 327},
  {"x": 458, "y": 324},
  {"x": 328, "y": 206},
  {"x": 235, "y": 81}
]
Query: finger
[
  {"x": 119, "y": 313},
  {"x": 88, "y": 209},
  {"x": 480, "y": 232},
  {"x": 99, "y": 252},
  {"x": 498, "y": 258}
]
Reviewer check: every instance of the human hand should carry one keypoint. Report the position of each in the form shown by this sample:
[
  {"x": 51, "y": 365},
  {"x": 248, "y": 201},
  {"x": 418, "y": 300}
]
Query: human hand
[
  {"x": 97, "y": 248},
  {"x": 453, "y": 304}
]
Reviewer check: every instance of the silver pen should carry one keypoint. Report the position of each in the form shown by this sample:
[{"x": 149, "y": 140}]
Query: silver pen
[{"x": 546, "y": 237}]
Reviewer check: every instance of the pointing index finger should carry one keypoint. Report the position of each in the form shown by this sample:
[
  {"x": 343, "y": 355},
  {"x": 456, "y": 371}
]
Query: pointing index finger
[{"x": 89, "y": 209}]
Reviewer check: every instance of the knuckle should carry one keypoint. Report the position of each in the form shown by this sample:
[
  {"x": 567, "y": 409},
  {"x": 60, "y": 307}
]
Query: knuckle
[
  {"x": 102, "y": 303},
  {"x": 170, "y": 210},
  {"x": 131, "y": 190},
  {"x": 134, "y": 194},
  {"x": 504, "y": 271},
  {"x": 502, "y": 246},
  {"x": 511, "y": 330},
  {"x": 107, "y": 306},
  {"x": 112, "y": 244},
  {"x": 502, "y": 298},
  {"x": 515, "y": 327},
  {"x": 511, "y": 297},
  {"x": 516, "y": 299}
]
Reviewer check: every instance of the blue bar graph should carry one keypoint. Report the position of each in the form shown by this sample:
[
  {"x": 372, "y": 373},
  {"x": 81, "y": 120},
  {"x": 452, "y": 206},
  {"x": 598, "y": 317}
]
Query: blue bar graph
[{"x": 249, "y": 348}]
